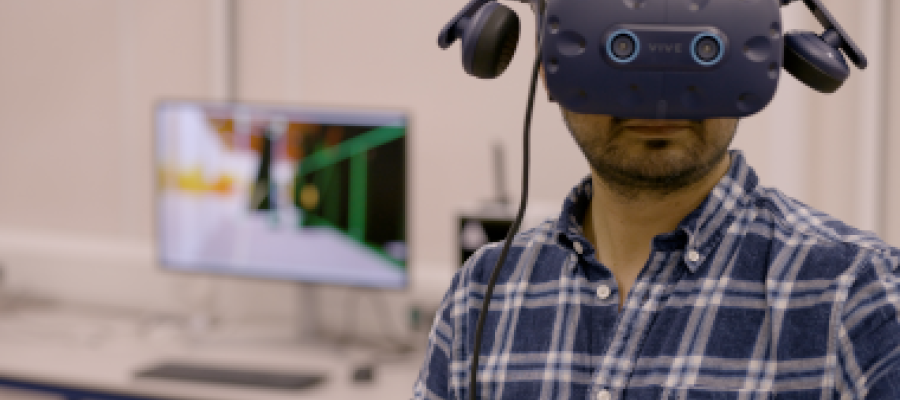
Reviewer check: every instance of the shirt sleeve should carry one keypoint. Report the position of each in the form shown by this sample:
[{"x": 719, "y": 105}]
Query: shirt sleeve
[
  {"x": 440, "y": 377},
  {"x": 869, "y": 334},
  {"x": 433, "y": 382}
]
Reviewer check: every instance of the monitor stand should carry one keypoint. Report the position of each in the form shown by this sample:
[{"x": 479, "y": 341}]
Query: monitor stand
[
  {"x": 323, "y": 319},
  {"x": 309, "y": 326},
  {"x": 312, "y": 331}
]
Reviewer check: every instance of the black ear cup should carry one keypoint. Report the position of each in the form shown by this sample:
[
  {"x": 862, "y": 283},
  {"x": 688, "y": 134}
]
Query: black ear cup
[
  {"x": 490, "y": 40},
  {"x": 815, "y": 62}
]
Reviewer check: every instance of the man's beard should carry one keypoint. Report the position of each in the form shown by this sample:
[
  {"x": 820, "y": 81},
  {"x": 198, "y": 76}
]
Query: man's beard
[{"x": 655, "y": 171}]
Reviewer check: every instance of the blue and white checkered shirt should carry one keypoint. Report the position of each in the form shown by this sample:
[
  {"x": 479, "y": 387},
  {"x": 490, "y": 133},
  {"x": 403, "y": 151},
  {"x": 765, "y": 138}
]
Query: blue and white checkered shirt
[{"x": 754, "y": 296}]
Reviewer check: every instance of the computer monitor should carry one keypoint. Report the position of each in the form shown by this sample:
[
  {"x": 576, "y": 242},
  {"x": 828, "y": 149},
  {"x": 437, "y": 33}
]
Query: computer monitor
[{"x": 306, "y": 194}]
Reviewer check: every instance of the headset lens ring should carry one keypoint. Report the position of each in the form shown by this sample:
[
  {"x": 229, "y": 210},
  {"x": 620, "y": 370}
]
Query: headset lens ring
[
  {"x": 623, "y": 46},
  {"x": 707, "y": 49}
]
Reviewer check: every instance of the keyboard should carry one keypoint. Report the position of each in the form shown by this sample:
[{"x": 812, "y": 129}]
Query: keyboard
[{"x": 191, "y": 372}]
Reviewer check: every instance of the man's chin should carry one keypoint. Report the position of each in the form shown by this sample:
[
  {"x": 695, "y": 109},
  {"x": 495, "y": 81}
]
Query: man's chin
[{"x": 660, "y": 158}]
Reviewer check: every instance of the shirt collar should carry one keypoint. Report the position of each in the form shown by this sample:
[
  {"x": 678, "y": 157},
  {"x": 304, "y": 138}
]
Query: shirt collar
[{"x": 703, "y": 228}]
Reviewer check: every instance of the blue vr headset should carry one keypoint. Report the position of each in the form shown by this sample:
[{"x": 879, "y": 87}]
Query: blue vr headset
[{"x": 659, "y": 59}]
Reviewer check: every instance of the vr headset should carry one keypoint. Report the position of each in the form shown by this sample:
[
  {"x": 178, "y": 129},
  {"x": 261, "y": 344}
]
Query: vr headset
[{"x": 659, "y": 59}]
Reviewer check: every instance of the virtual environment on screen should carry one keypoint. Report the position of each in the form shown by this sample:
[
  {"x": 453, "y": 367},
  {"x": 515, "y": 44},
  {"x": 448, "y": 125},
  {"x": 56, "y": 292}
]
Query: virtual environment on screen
[{"x": 315, "y": 195}]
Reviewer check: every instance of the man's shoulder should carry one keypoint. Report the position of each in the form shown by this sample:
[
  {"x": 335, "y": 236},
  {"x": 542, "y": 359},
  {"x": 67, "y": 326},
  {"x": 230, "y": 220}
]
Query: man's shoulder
[
  {"x": 794, "y": 223},
  {"x": 526, "y": 244}
]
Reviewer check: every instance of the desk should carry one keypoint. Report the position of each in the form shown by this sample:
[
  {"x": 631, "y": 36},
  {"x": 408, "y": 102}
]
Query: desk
[{"x": 33, "y": 368}]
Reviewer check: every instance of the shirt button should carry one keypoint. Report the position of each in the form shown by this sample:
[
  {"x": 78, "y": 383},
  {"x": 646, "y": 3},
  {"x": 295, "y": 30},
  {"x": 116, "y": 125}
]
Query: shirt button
[
  {"x": 604, "y": 395},
  {"x": 603, "y": 292},
  {"x": 578, "y": 248},
  {"x": 693, "y": 256}
]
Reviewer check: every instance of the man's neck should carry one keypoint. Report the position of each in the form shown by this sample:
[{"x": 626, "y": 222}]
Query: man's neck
[{"x": 622, "y": 228}]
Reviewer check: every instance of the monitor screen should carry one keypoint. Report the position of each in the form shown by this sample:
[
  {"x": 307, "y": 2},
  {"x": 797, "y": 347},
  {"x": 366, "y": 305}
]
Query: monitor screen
[{"x": 287, "y": 193}]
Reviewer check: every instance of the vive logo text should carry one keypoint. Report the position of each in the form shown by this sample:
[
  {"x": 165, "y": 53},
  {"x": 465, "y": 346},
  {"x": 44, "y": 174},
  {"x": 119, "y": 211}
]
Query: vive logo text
[{"x": 665, "y": 47}]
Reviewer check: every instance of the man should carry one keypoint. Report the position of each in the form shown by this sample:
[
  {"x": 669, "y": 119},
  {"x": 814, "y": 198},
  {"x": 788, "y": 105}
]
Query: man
[{"x": 672, "y": 274}]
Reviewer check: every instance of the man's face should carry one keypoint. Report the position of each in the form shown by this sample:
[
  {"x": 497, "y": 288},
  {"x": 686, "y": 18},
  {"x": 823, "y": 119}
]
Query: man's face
[{"x": 661, "y": 156}]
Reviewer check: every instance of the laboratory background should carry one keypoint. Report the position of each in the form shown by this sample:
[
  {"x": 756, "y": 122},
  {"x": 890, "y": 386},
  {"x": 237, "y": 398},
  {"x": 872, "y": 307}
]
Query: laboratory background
[{"x": 88, "y": 297}]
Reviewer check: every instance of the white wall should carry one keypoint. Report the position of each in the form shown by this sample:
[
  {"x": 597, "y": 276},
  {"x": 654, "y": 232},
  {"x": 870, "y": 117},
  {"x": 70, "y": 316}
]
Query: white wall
[
  {"x": 78, "y": 81},
  {"x": 889, "y": 162}
]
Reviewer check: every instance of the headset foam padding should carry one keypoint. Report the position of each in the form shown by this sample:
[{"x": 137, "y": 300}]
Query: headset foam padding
[
  {"x": 814, "y": 62},
  {"x": 490, "y": 43}
]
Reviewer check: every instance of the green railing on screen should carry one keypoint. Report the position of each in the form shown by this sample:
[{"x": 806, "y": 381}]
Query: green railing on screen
[{"x": 355, "y": 150}]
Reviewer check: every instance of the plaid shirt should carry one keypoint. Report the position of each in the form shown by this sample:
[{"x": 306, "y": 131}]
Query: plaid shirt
[{"x": 754, "y": 296}]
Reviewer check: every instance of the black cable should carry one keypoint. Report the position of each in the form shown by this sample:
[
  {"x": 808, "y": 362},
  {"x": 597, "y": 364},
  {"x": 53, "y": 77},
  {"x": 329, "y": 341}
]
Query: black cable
[{"x": 523, "y": 201}]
